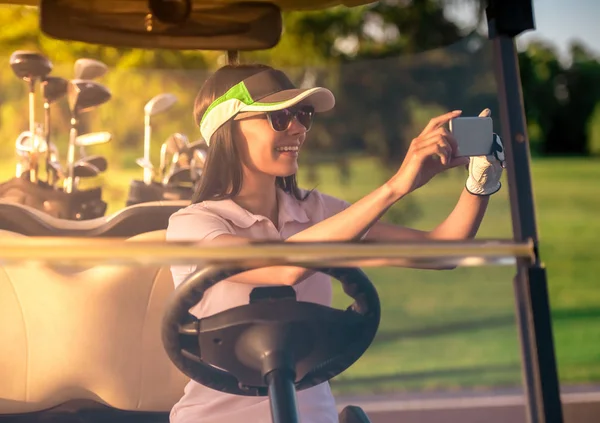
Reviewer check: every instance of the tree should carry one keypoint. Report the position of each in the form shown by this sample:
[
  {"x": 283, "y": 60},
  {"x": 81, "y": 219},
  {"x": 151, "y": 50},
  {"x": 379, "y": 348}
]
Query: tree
[
  {"x": 560, "y": 99},
  {"x": 380, "y": 60}
]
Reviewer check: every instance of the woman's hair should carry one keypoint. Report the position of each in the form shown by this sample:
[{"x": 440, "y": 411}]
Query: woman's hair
[{"x": 222, "y": 176}]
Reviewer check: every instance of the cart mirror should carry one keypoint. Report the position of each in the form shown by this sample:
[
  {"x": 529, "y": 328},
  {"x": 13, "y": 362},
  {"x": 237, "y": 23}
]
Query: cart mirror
[{"x": 181, "y": 25}]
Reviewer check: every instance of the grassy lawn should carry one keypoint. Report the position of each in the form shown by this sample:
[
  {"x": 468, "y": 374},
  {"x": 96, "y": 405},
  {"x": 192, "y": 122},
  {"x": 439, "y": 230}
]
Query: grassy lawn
[
  {"x": 456, "y": 329},
  {"x": 453, "y": 329}
]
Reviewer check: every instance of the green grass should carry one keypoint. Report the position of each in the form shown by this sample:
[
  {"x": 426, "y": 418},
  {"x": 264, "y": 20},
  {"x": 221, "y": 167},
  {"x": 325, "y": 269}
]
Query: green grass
[{"x": 456, "y": 329}]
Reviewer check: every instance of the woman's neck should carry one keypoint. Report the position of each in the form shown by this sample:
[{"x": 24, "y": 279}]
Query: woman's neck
[{"x": 259, "y": 196}]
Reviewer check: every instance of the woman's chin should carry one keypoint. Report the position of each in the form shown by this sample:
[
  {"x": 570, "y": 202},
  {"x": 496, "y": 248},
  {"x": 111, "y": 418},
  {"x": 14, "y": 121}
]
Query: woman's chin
[{"x": 287, "y": 171}]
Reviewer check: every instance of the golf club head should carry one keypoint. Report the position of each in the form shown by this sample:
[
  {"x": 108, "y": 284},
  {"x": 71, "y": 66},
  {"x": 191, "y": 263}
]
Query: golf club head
[
  {"x": 198, "y": 159},
  {"x": 177, "y": 143},
  {"x": 176, "y": 146},
  {"x": 93, "y": 138},
  {"x": 89, "y": 69},
  {"x": 99, "y": 162},
  {"x": 197, "y": 164},
  {"x": 83, "y": 169},
  {"x": 86, "y": 95},
  {"x": 54, "y": 88},
  {"x": 29, "y": 65},
  {"x": 159, "y": 104},
  {"x": 143, "y": 163},
  {"x": 180, "y": 176},
  {"x": 196, "y": 173},
  {"x": 57, "y": 170},
  {"x": 198, "y": 144},
  {"x": 24, "y": 145}
]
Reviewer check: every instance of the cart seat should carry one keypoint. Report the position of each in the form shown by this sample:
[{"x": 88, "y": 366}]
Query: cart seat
[
  {"x": 127, "y": 222},
  {"x": 85, "y": 334}
]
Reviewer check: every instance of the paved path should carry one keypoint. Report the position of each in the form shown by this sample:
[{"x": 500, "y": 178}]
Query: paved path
[{"x": 580, "y": 405}]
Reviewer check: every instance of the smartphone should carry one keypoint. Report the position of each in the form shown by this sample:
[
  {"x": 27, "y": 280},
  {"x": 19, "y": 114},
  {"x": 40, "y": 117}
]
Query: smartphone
[{"x": 474, "y": 135}]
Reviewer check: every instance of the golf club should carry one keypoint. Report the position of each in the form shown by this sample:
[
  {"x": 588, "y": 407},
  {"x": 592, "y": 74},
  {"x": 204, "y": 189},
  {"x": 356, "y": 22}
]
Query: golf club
[
  {"x": 53, "y": 89},
  {"x": 31, "y": 66},
  {"x": 147, "y": 166},
  {"x": 198, "y": 144},
  {"x": 83, "y": 169},
  {"x": 89, "y": 69},
  {"x": 83, "y": 96},
  {"x": 22, "y": 165},
  {"x": 173, "y": 168},
  {"x": 99, "y": 162},
  {"x": 23, "y": 147},
  {"x": 176, "y": 144},
  {"x": 55, "y": 168},
  {"x": 55, "y": 172},
  {"x": 181, "y": 176},
  {"x": 91, "y": 139},
  {"x": 158, "y": 104},
  {"x": 197, "y": 164}
]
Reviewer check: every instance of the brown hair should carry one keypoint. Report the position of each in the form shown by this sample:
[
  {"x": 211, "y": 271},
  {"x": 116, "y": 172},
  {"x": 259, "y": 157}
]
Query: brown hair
[{"x": 222, "y": 176}]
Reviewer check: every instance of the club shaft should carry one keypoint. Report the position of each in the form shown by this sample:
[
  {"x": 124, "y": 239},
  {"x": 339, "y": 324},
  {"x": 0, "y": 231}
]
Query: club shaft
[
  {"x": 71, "y": 158},
  {"x": 147, "y": 135},
  {"x": 33, "y": 165},
  {"x": 47, "y": 138},
  {"x": 163, "y": 162}
]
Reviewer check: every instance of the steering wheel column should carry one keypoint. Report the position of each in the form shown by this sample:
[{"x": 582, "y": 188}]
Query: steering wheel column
[{"x": 275, "y": 345}]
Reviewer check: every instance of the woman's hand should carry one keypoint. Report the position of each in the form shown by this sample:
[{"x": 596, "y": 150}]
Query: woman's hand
[
  {"x": 485, "y": 171},
  {"x": 432, "y": 152}
]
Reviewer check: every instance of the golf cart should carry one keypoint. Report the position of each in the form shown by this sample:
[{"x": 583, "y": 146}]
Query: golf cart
[{"x": 119, "y": 370}]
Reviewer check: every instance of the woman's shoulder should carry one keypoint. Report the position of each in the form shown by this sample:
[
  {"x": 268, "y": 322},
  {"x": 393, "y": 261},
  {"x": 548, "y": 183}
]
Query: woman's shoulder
[
  {"x": 197, "y": 210},
  {"x": 321, "y": 205},
  {"x": 196, "y": 221}
]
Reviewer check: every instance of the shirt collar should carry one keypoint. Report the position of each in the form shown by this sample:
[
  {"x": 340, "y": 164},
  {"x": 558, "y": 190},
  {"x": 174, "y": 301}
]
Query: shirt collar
[{"x": 290, "y": 210}]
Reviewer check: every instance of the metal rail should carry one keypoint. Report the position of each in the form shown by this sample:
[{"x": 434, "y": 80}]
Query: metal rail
[{"x": 82, "y": 251}]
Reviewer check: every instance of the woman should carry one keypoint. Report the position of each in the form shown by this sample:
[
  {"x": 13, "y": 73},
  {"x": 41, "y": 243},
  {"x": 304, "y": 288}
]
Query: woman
[{"x": 255, "y": 122}]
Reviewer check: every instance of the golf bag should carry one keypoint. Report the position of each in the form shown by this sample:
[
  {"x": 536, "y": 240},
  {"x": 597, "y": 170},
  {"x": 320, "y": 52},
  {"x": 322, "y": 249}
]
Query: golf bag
[
  {"x": 78, "y": 205},
  {"x": 139, "y": 192}
]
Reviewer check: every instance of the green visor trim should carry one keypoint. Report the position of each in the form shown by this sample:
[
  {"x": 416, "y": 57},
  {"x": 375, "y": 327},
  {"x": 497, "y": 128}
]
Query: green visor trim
[
  {"x": 237, "y": 92},
  {"x": 265, "y": 91}
]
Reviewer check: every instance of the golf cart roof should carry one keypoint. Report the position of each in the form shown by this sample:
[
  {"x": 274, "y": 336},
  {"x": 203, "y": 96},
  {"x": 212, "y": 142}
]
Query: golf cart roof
[{"x": 181, "y": 24}]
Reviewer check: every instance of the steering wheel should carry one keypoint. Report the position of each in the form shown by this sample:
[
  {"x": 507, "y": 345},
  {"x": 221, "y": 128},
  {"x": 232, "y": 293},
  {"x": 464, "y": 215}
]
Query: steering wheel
[{"x": 235, "y": 350}]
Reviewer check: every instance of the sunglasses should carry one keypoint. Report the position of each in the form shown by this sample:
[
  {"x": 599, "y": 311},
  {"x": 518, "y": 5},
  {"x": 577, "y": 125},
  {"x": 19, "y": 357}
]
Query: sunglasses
[{"x": 281, "y": 120}]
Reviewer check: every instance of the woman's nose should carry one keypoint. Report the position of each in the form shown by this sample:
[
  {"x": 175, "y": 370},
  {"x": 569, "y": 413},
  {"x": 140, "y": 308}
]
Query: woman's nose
[{"x": 296, "y": 127}]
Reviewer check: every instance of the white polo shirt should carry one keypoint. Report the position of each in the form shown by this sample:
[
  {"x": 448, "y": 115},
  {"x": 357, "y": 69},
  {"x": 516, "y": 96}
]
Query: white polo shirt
[{"x": 206, "y": 221}]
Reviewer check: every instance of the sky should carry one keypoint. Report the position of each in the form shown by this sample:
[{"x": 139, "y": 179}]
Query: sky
[{"x": 559, "y": 22}]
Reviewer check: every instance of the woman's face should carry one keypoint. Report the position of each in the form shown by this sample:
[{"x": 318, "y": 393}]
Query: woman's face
[{"x": 266, "y": 151}]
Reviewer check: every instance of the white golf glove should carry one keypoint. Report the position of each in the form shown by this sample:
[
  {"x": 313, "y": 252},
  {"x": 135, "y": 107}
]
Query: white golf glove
[{"x": 485, "y": 171}]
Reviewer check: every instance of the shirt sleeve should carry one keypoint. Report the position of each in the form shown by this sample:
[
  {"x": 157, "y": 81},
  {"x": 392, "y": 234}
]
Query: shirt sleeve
[
  {"x": 333, "y": 205},
  {"x": 193, "y": 224}
]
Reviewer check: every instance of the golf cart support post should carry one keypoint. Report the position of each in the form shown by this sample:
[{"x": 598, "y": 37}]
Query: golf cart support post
[{"x": 506, "y": 20}]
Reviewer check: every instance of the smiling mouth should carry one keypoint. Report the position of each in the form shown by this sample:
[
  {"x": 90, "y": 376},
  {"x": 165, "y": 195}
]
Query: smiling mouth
[{"x": 289, "y": 148}]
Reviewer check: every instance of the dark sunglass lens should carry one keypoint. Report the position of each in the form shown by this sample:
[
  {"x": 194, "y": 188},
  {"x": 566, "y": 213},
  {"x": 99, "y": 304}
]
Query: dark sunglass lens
[
  {"x": 305, "y": 117},
  {"x": 280, "y": 119}
]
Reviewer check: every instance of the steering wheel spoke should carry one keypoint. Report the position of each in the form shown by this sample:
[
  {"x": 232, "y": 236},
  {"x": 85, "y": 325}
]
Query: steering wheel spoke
[{"x": 189, "y": 329}]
